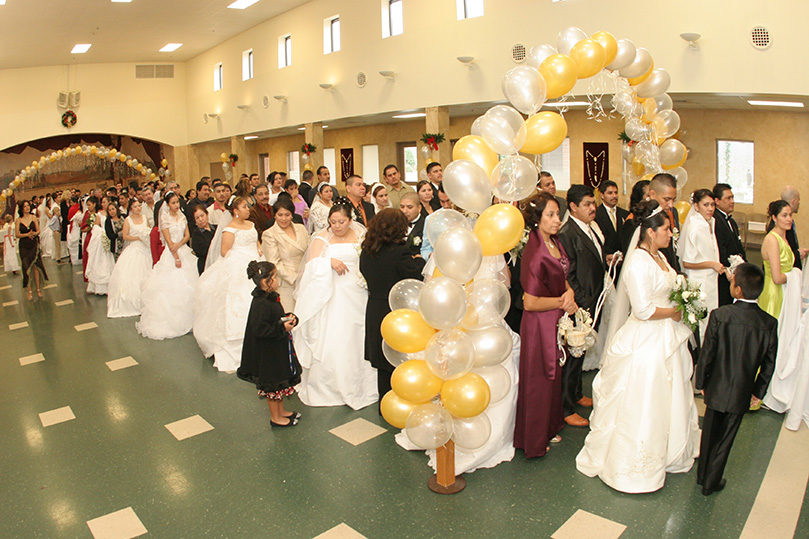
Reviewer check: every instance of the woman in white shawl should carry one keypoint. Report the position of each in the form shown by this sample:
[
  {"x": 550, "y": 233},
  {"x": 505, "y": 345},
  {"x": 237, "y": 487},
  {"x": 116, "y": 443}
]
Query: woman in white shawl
[
  {"x": 330, "y": 305},
  {"x": 100, "y": 261},
  {"x": 699, "y": 252},
  {"x": 45, "y": 234},
  {"x": 319, "y": 212}
]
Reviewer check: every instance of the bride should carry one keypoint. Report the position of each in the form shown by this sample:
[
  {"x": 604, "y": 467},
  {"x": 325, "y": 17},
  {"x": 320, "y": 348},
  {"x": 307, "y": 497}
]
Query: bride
[
  {"x": 133, "y": 266},
  {"x": 644, "y": 421},
  {"x": 331, "y": 297}
]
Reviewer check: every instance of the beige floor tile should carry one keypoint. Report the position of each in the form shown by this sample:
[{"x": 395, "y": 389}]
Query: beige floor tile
[
  {"x": 85, "y": 327},
  {"x": 64, "y": 302},
  {"x": 36, "y": 358},
  {"x": 358, "y": 431},
  {"x": 11, "y": 303},
  {"x": 21, "y": 325},
  {"x": 4, "y": 275},
  {"x": 123, "y": 524},
  {"x": 59, "y": 415},
  {"x": 47, "y": 286},
  {"x": 188, "y": 427},
  {"x": 124, "y": 362},
  {"x": 341, "y": 531},
  {"x": 584, "y": 524},
  {"x": 6, "y": 287}
]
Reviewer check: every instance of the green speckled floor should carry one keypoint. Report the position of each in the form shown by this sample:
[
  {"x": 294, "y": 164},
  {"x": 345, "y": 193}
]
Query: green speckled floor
[{"x": 243, "y": 479}]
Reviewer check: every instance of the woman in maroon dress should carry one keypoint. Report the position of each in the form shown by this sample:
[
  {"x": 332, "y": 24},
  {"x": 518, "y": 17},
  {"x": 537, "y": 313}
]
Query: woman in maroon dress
[{"x": 547, "y": 295}]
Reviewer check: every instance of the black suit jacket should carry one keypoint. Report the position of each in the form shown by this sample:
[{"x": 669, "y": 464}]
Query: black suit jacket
[
  {"x": 435, "y": 203},
  {"x": 792, "y": 240},
  {"x": 305, "y": 190},
  {"x": 612, "y": 238},
  {"x": 740, "y": 340},
  {"x": 369, "y": 213},
  {"x": 413, "y": 244},
  {"x": 586, "y": 274},
  {"x": 727, "y": 238}
]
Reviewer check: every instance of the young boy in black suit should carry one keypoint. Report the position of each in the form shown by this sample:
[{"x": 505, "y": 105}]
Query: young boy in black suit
[{"x": 736, "y": 362}]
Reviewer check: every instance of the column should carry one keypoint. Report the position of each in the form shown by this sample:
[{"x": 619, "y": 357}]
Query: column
[
  {"x": 437, "y": 121},
  {"x": 238, "y": 147},
  {"x": 314, "y": 135}
]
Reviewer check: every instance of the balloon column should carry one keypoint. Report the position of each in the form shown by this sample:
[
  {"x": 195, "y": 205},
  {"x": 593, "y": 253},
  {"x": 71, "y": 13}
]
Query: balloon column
[{"x": 84, "y": 153}]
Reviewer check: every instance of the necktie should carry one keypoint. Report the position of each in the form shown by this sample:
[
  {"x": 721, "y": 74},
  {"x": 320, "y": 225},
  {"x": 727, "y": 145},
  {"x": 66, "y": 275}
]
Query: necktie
[
  {"x": 593, "y": 239},
  {"x": 612, "y": 219}
]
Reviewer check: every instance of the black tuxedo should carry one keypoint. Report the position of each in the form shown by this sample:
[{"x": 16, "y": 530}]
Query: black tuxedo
[
  {"x": 792, "y": 240},
  {"x": 586, "y": 278},
  {"x": 612, "y": 240},
  {"x": 729, "y": 243},
  {"x": 305, "y": 190},
  {"x": 414, "y": 244},
  {"x": 736, "y": 361},
  {"x": 435, "y": 203}
]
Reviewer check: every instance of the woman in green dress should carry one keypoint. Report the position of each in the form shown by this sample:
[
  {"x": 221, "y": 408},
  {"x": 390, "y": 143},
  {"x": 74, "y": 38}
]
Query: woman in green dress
[{"x": 777, "y": 256}]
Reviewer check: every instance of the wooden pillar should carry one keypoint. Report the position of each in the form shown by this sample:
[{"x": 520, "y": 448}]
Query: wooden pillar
[
  {"x": 238, "y": 147},
  {"x": 437, "y": 121},
  {"x": 444, "y": 481},
  {"x": 314, "y": 135}
]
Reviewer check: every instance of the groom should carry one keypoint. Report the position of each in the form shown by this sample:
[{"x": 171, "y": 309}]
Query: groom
[{"x": 586, "y": 278}]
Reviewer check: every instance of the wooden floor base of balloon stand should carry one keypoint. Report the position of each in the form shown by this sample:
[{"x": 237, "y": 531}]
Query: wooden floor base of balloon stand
[{"x": 444, "y": 481}]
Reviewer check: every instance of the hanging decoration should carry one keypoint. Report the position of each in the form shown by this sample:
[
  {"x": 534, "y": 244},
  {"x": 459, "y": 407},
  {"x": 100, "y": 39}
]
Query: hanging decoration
[
  {"x": 432, "y": 140},
  {"x": 308, "y": 149},
  {"x": 69, "y": 119},
  {"x": 233, "y": 158}
]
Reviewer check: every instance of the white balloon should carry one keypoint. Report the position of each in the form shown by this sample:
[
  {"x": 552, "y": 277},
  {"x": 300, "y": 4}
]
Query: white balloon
[
  {"x": 538, "y": 54},
  {"x": 514, "y": 178},
  {"x": 568, "y": 37},
  {"x": 476, "y": 126},
  {"x": 624, "y": 56},
  {"x": 666, "y": 124},
  {"x": 449, "y": 354},
  {"x": 680, "y": 175},
  {"x": 442, "y": 303},
  {"x": 467, "y": 185},
  {"x": 396, "y": 357},
  {"x": 640, "y": 64},
  {"x": 471, "y": 432},
  {"x": 664, "y": 102},
  {"x": 442, "y": 220},
  {"x": 429, "y": 426},
  {"x": 405, "y": 294},
  {"x": 498, "y": 379},
  {"x": 525, "y": 88},
  {"x": 493, "y": 345},
  {"x": 503, "y": 129},
  {"x": 657, "y": 84},
  {"x": 488, "y": 302},
  {"x": 458, "y": 254},
  {"x": 637, "y": 130}
]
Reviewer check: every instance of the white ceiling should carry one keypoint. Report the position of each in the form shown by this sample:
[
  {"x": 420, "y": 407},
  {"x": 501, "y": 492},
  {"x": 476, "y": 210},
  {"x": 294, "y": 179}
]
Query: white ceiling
[{"x": 42, "y": 32}]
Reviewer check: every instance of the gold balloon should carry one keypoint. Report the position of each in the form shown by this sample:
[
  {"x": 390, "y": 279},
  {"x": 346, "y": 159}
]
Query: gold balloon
[
  {"x": 308, "y": 166},
  {"x": 406, "y": 331},
  {"x": 165, "y": 163},
  {"x": 466, "y": 396},
  {"x": 648, "y": 177},
  {"x": 499, "y": 228},
  {"x": 546, "y": 131},
  {"x": 152, "y": 176},
  {"x": 609, "y": 43},
  {"x": 559, "y": 72},
  {"x": 413, "y": 382},
  {"x": 682, "y": 208},
  {"x": 395, "y": 409},
  {"x": 589, "y": 56},
  {"x": 475, "y": 149},
  {"x": 223, "y": 156},
  {"x": 638, "y": 80},
  {"x": 637, "y": 167}
]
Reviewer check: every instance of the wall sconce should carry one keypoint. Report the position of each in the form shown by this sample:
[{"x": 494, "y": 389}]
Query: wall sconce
[
  {"x": 388, "y": 74},
  {"x": 281, "y": 98},
  {"x": 326, "y": 86},
  {"x": 466, "y": 60},
  {"x": 691, "y": 38},
  {"x": 207, "y": 115},
  {"x": 243, "y": 107}
]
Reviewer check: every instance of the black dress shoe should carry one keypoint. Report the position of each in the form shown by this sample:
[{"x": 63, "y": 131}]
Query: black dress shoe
[
  {"x": 292, "y": 422},
  {"x": 709, "y": 491}
]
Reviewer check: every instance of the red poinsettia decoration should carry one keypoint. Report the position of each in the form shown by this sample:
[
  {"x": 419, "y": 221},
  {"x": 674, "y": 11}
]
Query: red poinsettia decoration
[
  {"x": 432, "y": 140},
  {"x": 233, "y": 158},
  {"x": 308, "y": 148}
]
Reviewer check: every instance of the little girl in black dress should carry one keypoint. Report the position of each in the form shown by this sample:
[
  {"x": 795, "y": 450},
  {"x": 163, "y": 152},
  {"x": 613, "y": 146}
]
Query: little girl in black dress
[{"x": 268, "y": 356}]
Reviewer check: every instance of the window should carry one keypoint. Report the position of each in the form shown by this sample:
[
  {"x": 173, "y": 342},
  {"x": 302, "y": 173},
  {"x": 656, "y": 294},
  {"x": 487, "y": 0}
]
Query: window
[
  {"x": 370, "y": 163},
  {"x": 558, "y": 164},
  {"x": 410, "y": 161},
  {"x": 734, "y": 166},
  {"x": 284, "y": 51},
  {"x": 294, "y": 166},
  {"x": 247, "y": 64},
  {"x": 469, "y": 9},
  {"x": 331, "y": 34},
  {"x": 330, "y": 163},
  {"x": 392, "y": 18},
  {"x": 217, "y": 77}
]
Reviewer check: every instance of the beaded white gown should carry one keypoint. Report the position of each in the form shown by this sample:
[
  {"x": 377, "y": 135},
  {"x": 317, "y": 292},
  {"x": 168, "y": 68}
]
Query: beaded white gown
[
  {"x": 125, "y": 289},
  {"x": 100, "y": 260}
]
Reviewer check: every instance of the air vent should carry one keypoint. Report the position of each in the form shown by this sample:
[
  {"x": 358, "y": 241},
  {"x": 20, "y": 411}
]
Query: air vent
[
  {"x": 160, "y": 71},
  {"x": 361, "y": 79},
  {"x": 518, "y": 53},
  {"x": 760, "y": 38}
]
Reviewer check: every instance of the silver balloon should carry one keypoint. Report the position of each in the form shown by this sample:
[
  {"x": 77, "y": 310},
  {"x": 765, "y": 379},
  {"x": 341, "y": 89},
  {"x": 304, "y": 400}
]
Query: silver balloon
[
  {"x": 538, "y": 54},
  {"x": 458, "y": 254},
  {"x": 395, "y": 357},
  {"x": 525, "y": 88},
  {"x": 514, "y": 178},
  {"x": 672, "y": 152},
  {"x": 666, "y": 123},
  {"x": 625, "y": 55},
  {"x": 624, "y": 103},
  {"x": 442, "y": 220},
  {"x": 503, "y": 129},
  {"x": 405, "y": 294},
  {"x": 442, "y": 303},
  {"x": 637, "y": 130},
  {"x": 499, "y": 381},
  {"x": 476, "y": 126},
  {"x": 471, "y": 432},
  {"x": 640, "y": 64},
  {"x": 426, "y": 152},
  {"x": 493, "y": 345},
  {"x": 467, "y": 185},
  {"x": 568, "y": 37},
  {"x": 664, "y": 102},
  {"x": 429, "y": 426},
  {"x": 657, "y": 84},
  {"x": 627, "y": 152},
  {"x": 488, "y": 302},
  {"x": 449, "y": 354},
  {"x": 680, "y": 175}
]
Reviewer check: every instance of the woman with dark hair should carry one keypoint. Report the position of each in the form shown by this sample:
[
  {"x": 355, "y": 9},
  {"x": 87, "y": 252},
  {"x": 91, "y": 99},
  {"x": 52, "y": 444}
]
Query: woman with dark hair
[
  {"x": 644, "y": 421},
  {"x": 699, "y": 252},
  {"x": 319, "y": 212},
  {"x": 27, "y": 233},
  {"x": 202, "y": 235},
  {"x": 112, "y": 228},
  {"x": 129, "y": 275},
  {"x": 301, "y": 207},
  {"x": 547, "y": 295},
  {"x": 424, "y": 190},
  {"x": 385, "y": 260},
  {"x": 331, "y": 297},
  {"x": 284, "y": 245},
  {"x": 87, "y": 224},
  {"x": 100, "y": 260},
  {"x": 777, "y": 256},
  {"x": 639, "y": 191}
]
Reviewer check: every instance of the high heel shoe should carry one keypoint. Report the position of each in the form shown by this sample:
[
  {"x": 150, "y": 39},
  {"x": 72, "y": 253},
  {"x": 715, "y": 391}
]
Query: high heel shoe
[
  {"x": 39, "y": 293},
  {"x": 30, "y": 295}
]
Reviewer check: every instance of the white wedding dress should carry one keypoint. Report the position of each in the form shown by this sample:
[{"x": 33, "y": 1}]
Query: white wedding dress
[
  {"x": 698, "y": 244},
  {"x": 644, "y": 421},
  {"x": 125, "y": 289},
  {"x": 168, "y": 295},
  {"x": 330, "y": 335},
  {"x": 74, "y": 238},
  {"x": 100, "y": 260},
  {"x": 45, "y": 233},
  {"x": 222, "y": 301}
]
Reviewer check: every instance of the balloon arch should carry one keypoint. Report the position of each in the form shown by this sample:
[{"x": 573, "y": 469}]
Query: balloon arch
[
  {"x": 446, "y": 337},
  {"x": 93, "y": 152}
]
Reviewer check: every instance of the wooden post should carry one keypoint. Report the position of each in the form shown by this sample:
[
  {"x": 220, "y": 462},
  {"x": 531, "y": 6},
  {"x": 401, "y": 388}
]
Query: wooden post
[{"x": 444, "y": 480}]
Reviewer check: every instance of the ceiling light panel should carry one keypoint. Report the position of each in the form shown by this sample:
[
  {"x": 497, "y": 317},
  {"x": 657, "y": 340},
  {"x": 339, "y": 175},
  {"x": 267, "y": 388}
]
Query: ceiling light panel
[
  {"x": 411, "y": 115},
  {"x": 171, "y": 47},
  {"x": 793, "y": 104},
  {"x": 81, "y": 48},
  {"x": 242, "y": 4}
]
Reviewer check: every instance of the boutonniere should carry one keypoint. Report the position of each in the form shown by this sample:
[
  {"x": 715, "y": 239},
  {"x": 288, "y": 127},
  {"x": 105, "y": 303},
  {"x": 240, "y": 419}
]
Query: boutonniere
[{"x": 416, "y": 240}]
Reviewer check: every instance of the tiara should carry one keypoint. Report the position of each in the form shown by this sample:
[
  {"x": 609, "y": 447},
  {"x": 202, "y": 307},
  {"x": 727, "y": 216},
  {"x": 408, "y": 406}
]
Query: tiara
[{"x": 657, "y": 210}]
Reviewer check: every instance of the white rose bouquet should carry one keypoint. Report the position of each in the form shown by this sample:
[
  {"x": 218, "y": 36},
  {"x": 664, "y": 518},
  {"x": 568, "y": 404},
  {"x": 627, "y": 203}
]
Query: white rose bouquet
[{"x": 690, "y": 301}]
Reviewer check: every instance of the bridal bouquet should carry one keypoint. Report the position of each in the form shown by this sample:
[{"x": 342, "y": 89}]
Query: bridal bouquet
[
  {"x": 576, "y": 333},
  {"x": 690, "y": 301}
]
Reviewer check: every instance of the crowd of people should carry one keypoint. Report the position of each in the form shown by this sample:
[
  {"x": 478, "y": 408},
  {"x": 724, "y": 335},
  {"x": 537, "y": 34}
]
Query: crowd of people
[{"x": 286, "y": 284}]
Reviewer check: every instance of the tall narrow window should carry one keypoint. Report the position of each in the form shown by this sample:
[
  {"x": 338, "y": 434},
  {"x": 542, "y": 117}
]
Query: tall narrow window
[
  {"x": 370, "y": 163},
  {"x": 294, "y": 166},
  {"x": 392, "y": 18},
  {"x": 469, "y": 9},
  {"x": 331, "y": 34},
  {"x": 247, "y": 64},
  {"x": 735, "y": 166},
  {"x": 557, "y": 163},
  {"x": 284, "y": 51},
  {"x": 411, "y": 159},
  {"x": 329, "y": 161},
  {"x": 217, "y": 77}
]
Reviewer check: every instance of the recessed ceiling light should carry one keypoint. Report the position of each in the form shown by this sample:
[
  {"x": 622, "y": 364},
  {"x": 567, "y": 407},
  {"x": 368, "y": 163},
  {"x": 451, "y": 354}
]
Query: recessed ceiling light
[
  {"x": 412, "y": 115},
  {"x": 171, "y": 47},
  {"x": 242, "y": 4},
  {"x": 250, "y": 137},
  {"x": 301, "y": 129},
  {"x": 567, "y": 104},
  {"x": 121, "y": 1},
  {"x": 794, "y": 104},
  {"x": 81, "y": 48}
]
